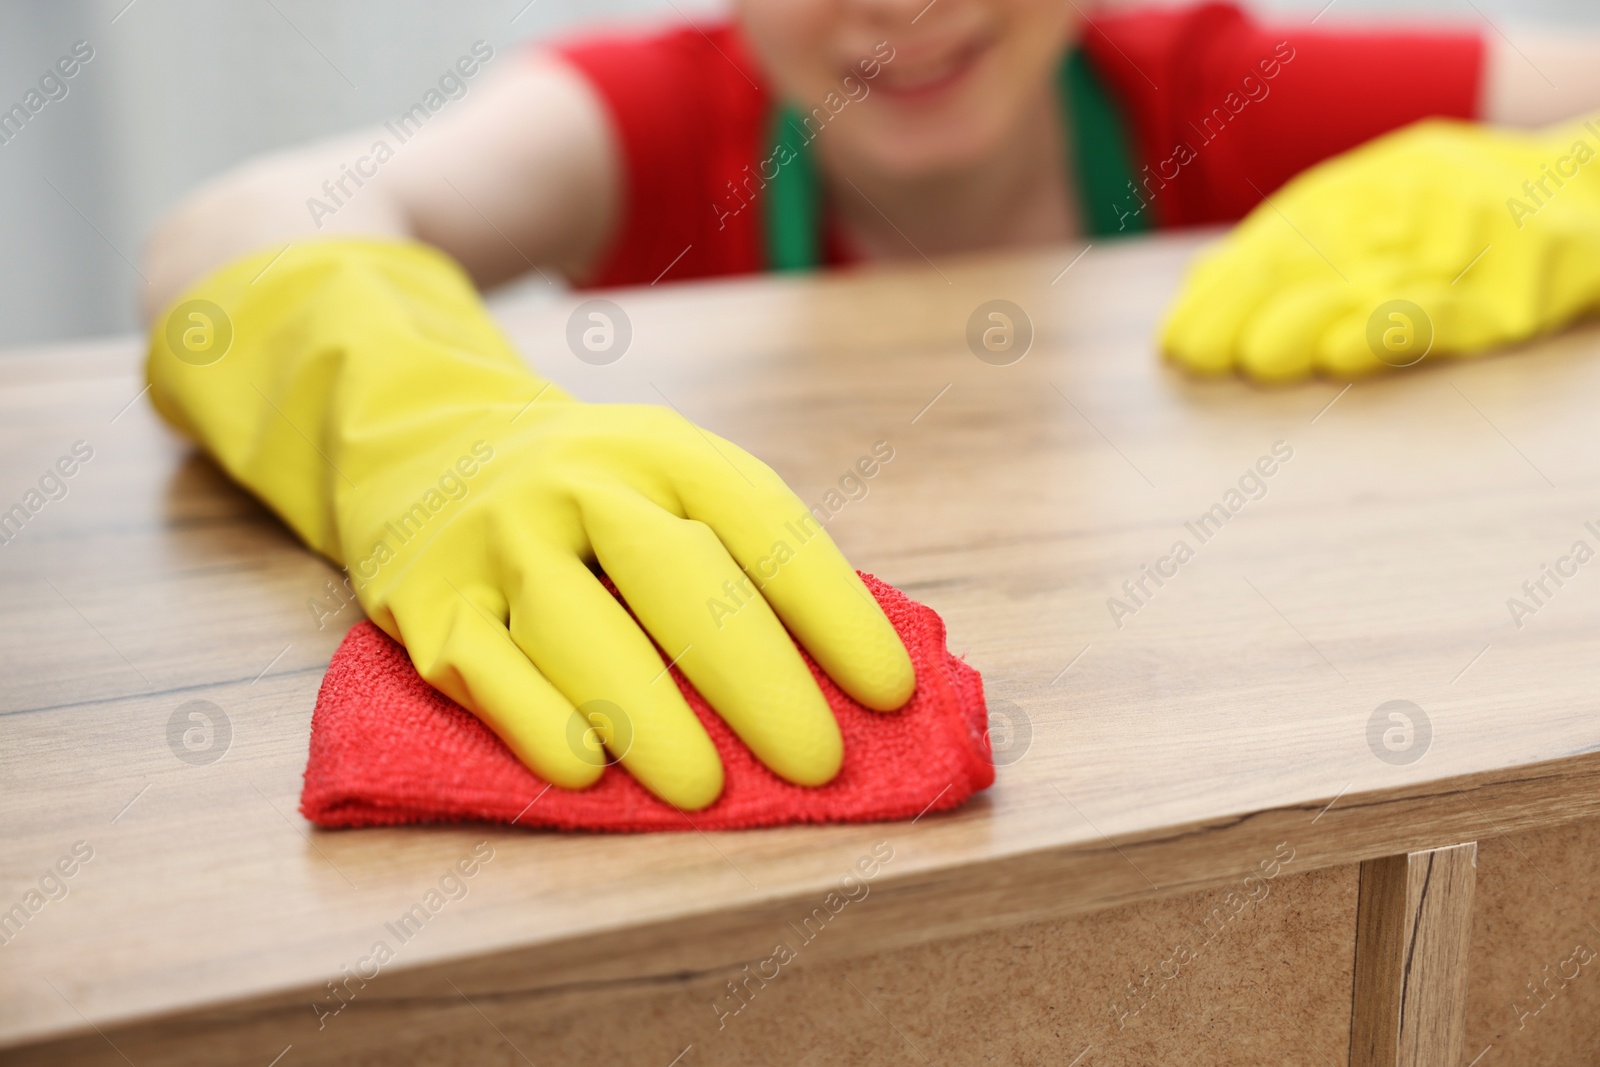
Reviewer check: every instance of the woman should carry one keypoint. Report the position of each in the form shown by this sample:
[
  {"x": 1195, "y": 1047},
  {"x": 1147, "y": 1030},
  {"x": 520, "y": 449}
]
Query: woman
[{"x": 316, "y": 326}]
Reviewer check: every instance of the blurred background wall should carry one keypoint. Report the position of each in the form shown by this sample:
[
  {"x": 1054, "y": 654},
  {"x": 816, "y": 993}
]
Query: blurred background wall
[{"x": 179, "y": 90}]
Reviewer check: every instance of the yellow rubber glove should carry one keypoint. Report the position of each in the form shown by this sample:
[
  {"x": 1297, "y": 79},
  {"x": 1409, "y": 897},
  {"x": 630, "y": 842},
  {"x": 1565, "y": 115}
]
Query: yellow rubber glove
[
  {"x": 1444, "y": 238},
  {"x": 361, "y": 390}
]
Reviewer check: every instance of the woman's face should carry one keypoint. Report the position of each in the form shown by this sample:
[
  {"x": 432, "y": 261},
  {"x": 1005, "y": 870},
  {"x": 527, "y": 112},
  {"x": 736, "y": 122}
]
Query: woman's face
[{"x": 926, "y": 87}]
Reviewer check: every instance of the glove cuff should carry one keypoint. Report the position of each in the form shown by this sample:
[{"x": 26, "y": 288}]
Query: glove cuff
[{"x": 310, "y": 371}]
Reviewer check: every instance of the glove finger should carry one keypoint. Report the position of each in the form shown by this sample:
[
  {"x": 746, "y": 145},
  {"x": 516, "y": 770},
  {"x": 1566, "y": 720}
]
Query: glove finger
[
  {"x": 1342, "y": 352},
  {"x": 1218, "y": 297},
  {"x": 799, "y": 571},
  {"x": 459, "y": 644},
  {"x": 1382, "y": 331},
  {"x": 680, "y": 581},
  {"x": 1464, "y": 323},
  {"x": 1279, "y": 342},
  {"x": 584, "y": 641}
]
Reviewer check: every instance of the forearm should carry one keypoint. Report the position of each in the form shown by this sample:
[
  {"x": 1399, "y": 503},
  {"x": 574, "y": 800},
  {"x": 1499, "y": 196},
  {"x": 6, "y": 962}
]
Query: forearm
[
  {"x": 1539, "y": 77},
  {"x": 520, "y": 174},
  {"x": 260, "y": 205}
]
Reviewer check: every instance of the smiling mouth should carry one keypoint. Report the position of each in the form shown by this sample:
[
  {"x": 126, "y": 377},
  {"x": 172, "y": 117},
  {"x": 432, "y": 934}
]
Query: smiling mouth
[{"x": 924, "y": 79}]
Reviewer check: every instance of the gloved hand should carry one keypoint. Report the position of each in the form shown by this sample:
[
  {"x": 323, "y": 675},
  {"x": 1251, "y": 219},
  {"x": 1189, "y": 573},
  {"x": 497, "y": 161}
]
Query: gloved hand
[
  {"x": 1487, "y": 236},
  {"x": 365, "y": 395}
]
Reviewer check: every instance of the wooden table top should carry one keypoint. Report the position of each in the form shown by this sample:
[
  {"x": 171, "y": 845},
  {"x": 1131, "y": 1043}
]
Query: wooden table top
[{"x": 1170, "y": 752}]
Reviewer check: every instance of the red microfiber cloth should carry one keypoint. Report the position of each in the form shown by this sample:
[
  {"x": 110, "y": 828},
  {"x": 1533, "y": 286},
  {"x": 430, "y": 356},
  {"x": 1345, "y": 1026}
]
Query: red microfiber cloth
[{"x": 388, "y": 748}]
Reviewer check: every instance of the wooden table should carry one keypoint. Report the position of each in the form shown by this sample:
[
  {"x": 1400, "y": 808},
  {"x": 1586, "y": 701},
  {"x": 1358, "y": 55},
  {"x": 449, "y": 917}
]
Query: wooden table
[{"x": 1195, "y": 822}]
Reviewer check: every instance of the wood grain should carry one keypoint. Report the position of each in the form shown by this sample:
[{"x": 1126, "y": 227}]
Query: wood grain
[
  {"x": 1164, "y": 756},
  {"x": 1413, "y": 922},
  {"x": 1190, "y": 980}
]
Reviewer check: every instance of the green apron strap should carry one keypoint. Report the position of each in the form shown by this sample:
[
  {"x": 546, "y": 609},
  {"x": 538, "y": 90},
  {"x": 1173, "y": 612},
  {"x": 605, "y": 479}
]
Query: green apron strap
[
  {"x": 793, "y": 197},
  {"x": 792, "y": 204},
  {"x": 1105, "y": 166}
]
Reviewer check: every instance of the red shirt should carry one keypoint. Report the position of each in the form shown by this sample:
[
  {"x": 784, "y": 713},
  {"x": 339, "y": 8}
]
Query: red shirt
[{"x": 1217, "y": 111}]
